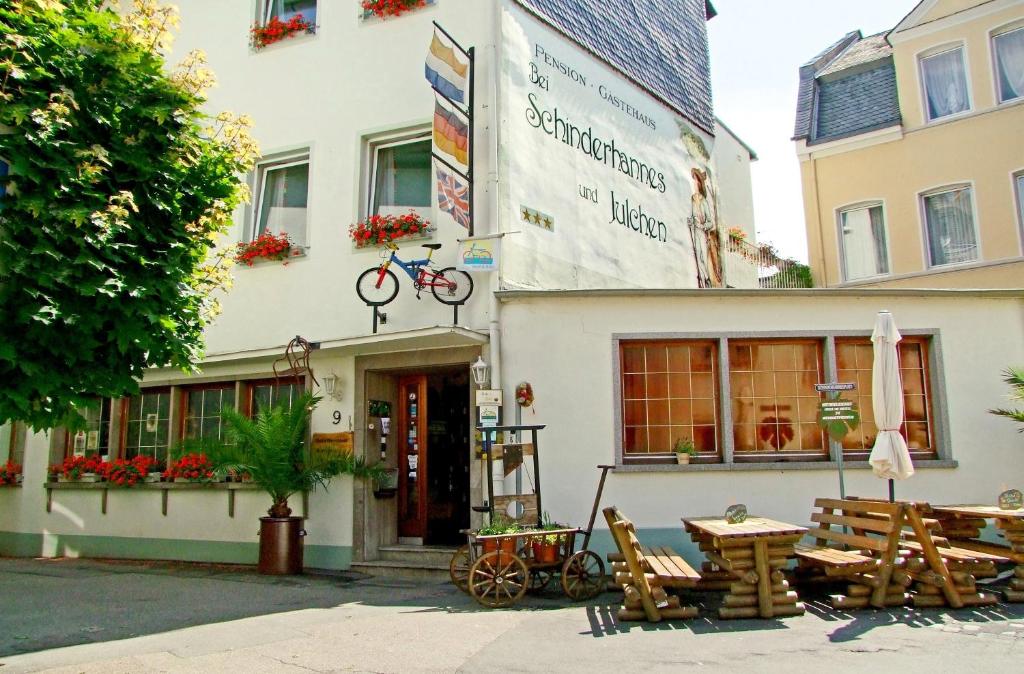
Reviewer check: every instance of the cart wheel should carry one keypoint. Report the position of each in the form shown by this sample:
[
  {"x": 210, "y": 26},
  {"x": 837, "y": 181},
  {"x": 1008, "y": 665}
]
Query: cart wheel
[
  {"x": 498, "y": 579},
  {"x": 583, "y": 576},
  {"x": 458, "y": 568},
  {"x": 539, "y": 579}
]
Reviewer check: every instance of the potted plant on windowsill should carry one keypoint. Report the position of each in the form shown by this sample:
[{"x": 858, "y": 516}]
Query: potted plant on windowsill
[
  {"x": 386, "y": 8},
  {"x": 684, "y": 450},
  {"x": 377, "y": 230},
  {"x": 80, "y": 469},
  {"x": 267, "y": 247},
  {"x": 128, "y": 472},
  {"x": 275, "y": 30},
  {"x": 271, "y": 448},
  {"x": 191, "y": 467},
  {"x": 10, "y": 474}
]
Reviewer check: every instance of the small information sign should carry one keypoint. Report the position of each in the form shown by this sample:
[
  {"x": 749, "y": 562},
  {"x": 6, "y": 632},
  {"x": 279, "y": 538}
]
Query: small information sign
[
  {"x": 489, "y": 414},
  {"x": 834, "y": 387},
  {"x": 837, "y": 410},
  {"x": 477, "y": 255},
  {"x": 488, "y": 396},
  {"x": 1011, "y": 499},
  {"x": 330, "y": 445}
]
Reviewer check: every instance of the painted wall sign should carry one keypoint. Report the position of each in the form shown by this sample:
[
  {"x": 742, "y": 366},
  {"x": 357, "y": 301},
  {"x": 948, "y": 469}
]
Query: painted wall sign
[
  {"x": 479, "y": 255},
  {"x": 627, "y": 179},
  {"x": 332, "y": 444}
]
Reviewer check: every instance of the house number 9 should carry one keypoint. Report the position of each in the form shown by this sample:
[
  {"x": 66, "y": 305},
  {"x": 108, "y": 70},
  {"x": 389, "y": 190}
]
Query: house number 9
[{"x": 337, "y": 417}]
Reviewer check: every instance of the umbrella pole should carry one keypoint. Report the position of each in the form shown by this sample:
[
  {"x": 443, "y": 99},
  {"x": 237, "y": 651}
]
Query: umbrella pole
[
  {"x": 842, "y": 483},
  {"x": 892, "y": 491}
]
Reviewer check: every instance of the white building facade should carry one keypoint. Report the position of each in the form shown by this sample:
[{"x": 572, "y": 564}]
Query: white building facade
[{"x": 597, "y": 173}]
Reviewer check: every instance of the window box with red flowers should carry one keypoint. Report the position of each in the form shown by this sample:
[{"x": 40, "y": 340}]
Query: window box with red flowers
[
  {"x": 275, "y": 30},
  {"x": 80, "y": 469},
  {"x": 378, "y": 230},
  {"x": 10, "y": 474},
  {"x": 129, "y": 472},
  {"x": 191, "y": 467},
  {"x": 267, "y": 247},
  {"x": 383, "y": 9}
]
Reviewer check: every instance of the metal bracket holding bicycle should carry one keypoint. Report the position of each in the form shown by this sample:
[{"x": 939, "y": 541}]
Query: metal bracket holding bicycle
[{"x": 378, "y": 286}]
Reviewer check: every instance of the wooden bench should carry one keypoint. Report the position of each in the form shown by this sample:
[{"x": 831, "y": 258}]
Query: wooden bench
[
  {"x": 645, "y": 572},
  {"x": 864, "y": 552},
  {"x": 944, "y": 574}
]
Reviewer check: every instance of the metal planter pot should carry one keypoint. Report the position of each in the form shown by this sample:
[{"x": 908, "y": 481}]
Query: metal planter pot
[{"x": 281, "y": 546}]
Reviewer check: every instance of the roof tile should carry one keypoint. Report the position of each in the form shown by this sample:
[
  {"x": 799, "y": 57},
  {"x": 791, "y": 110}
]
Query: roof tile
[{"x": 662, "y": 45}]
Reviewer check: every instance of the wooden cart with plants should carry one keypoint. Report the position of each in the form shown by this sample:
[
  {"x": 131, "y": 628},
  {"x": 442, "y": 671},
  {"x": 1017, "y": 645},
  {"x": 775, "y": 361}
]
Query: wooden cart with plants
[{"x": 521, "y": 550}]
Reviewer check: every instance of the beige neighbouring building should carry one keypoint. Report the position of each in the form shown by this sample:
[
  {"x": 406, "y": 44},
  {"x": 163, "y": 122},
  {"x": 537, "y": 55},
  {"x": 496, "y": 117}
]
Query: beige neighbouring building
[{"x": 911, "y": 147}]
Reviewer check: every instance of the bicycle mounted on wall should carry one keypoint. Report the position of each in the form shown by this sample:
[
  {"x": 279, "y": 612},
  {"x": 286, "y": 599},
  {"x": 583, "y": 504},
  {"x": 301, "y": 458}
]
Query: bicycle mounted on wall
[{"x": 378, "y": 286}]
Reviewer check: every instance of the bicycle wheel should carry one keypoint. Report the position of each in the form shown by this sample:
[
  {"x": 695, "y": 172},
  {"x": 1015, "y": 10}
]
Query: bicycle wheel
[
  {"x": 377, "y": 286},
  {"x": 452, "y": 286}
]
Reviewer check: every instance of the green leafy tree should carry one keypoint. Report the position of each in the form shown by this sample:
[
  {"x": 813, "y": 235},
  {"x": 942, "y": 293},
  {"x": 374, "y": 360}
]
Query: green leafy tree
[
  {"x": 119, "y": 188},
  {"x": 270, "y": 448},
  {"x": 1014, "y": 376}
]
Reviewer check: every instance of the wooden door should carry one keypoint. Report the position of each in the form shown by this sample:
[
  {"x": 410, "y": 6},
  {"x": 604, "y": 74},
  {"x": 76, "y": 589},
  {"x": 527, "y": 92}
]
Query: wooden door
[{"x": 412, "y": 457}]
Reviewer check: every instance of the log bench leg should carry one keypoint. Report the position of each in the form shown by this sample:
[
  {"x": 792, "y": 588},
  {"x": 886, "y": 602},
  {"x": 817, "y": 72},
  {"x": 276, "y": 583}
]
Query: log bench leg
[
  {"x": 1014, "y": 533},
  {"x": 762, "y": 592}
]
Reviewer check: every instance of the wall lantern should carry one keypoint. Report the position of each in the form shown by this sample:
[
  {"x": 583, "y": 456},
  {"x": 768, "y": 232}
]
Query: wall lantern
[
  {"x": 332, "y": 387},
  {"x": 480, "y": 371}
]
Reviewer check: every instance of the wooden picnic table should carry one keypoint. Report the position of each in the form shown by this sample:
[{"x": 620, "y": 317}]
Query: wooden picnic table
[
  {"x": 962, "y": 525},
  {"x": 748, "y": 558}
]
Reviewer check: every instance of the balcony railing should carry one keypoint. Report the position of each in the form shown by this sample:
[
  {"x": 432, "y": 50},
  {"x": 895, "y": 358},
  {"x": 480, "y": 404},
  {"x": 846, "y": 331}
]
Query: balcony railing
[{"x": 761, "y": 267}]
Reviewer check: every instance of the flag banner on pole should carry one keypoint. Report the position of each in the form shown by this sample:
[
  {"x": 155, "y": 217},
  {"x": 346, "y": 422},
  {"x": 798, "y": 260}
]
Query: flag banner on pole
[
  {"x": 445, "y": 71},
  {"x": 451, "y": 133},
  {"x": 453, "y": 197}
]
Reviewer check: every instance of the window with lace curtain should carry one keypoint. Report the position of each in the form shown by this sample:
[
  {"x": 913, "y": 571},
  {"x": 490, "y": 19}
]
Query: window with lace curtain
[
  {"x": 863, "y": 242},
  {"x": 281, "y": 197},
  {"x": 946, "y": 90},
  {"x": 401, "y": 177},
  {"x": 1008, "y": 50},
  {"x": 949, "y": 226},
  {"x": 285, "y": 10}
]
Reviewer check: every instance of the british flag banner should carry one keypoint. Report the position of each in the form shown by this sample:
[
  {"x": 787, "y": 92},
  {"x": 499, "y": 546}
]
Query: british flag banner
[{"x": 453, "y": 197}]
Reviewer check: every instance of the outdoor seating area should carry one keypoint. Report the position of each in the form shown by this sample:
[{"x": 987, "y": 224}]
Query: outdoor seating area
[{"x": 886, "y": 554}]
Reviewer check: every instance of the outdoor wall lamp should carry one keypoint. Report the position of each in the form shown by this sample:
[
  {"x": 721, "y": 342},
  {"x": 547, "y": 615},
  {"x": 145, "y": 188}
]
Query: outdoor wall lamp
[
  {"x": 480, "y": 371},
  {"x": 332, "y": 387}
]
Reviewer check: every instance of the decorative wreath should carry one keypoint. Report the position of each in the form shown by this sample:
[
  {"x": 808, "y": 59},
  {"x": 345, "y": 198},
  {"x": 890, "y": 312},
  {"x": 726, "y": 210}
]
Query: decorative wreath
[{"x": 524, "y": 394}]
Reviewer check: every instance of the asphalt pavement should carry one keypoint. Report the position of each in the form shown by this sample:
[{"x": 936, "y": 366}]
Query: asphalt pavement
[{"x": 72, "y": 617}]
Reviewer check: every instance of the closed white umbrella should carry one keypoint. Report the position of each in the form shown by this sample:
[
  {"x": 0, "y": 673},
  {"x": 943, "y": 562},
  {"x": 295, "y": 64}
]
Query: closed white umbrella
[{"x": 890, "y": 457}]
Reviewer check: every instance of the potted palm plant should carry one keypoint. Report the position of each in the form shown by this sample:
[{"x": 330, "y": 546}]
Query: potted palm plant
[{"x": 271, "y": 449}]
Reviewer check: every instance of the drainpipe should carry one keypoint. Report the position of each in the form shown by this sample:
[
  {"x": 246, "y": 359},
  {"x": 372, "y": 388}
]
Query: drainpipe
[{"x": 494, "y": 309}]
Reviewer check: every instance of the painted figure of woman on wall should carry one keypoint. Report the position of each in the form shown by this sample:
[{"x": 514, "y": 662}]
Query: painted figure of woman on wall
[{"x": 704, "y": 233}]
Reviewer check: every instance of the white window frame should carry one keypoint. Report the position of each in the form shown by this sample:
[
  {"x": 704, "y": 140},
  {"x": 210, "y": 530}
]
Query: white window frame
[
  {"x": 263, "y": 8},
  {"x": 374, "y": 148},
  {"x": 994, "y": 60},
  {"x": 923, "y": 215},
  {"x": 870, "y": 203},
  {"x": 936, "y": 51},
  {"x": 1017, "y": 188},
  {"x": 260, "y": 172}
]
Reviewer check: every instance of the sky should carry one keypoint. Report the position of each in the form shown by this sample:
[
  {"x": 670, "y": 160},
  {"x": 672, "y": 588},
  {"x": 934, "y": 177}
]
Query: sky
[{"x": 757, "y": 48}]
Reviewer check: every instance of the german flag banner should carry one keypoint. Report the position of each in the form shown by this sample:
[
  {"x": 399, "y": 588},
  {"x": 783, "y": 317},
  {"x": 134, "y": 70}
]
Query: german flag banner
[{"x": 451, "y": 133}]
